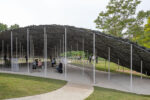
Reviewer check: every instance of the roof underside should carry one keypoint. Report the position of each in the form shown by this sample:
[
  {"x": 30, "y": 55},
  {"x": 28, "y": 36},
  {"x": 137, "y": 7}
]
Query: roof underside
[{"x": 119, "y": 48}]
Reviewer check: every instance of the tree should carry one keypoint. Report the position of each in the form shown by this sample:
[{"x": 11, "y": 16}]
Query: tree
[
  {"x": 3, "y": 27},
  {"x": 15, "y": 26},
  {"x": 136, "y": 29},
  {"x": 145, "y": 39},
  {"x": 120, "y": 18}
]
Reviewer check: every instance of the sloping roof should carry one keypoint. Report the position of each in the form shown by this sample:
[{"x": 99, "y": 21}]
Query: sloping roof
[{"x": 119, "y": 48}]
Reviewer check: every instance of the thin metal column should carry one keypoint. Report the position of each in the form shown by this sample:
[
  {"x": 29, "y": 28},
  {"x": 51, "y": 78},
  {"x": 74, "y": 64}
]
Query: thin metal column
[
  {"x": 20, "y": 49},
  {"x": 71, "y": 53},
  {"x": 77, "y": 52},
  {"x": 131, "y": 68},
  {"x": 65, "y": 53},
  {"x": 11, "y": 51},
  {"x": 60, "y": 48},
  {"x": 141, "y": 68},
  {"x": 22, "y": 53},
  {"x": 55, "y": 53},
  {"x": 16, "y": 47},
  {"x": 3, "y": 53},
  {"x": 94, "y": 58},
  {"x": 109, "y": 63},
  {"x": 28, "y": 50},
  {"x": 45, "y": 51},
  {"x": 7, "y": 50},
  {"x": 83, "y": 55},
  {"x": 118, "y": 64},
  {"x": 63, "y": 45},
  {"x": 105, "y": 64}
]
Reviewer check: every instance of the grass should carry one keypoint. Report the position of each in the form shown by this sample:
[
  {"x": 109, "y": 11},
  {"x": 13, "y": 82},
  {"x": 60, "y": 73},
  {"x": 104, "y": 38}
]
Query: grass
[
  {"x": 113, "y": 67},
  {"x": 13, "y": 86},
  {"x": 110, "y": 94}
]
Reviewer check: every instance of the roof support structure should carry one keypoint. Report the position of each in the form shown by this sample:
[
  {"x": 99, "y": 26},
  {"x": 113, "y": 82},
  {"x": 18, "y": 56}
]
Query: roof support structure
[{"x": 131, "y": 80}]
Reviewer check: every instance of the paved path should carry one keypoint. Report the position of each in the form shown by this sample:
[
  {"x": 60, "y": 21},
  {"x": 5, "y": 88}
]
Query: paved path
[
  {"x": 75, "y": 75},
  {"x": 71, "y": 91}
]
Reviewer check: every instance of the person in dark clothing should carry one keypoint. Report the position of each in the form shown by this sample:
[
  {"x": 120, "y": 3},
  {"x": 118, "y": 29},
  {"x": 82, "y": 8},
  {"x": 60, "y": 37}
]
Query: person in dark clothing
[
  {"x": 36, "y": 61},
  {"x": 50, "y": 59},
  {"x": 53, "y": 62},
  {"x": 97, "y": 59},
  {"x": 90, "y": 59},
  {"x": 34, "y": 65},
  {"x": 26, "y": 59},
  {"x": 5, "y": 59},
  {"x": 60, "y": 67}
]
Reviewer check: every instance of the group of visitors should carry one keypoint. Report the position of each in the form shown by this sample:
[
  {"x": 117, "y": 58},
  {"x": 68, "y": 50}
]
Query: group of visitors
[
  {"x": 7, "y": 61},
  {"x": 92, "y": 58},
  {"x": 59, "y": 67},
  {"x": 37, "y": 64}
]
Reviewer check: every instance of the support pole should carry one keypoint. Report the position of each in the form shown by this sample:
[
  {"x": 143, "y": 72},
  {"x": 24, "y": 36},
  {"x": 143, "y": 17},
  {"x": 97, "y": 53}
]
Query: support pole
[
  {"x": 16, "y": 47},
  {"x": 82, "y": 55},
  {"x": 141, "y": 68},
  {"x": 60, "y": 48},
  {"x": 7, "y": 50},
  {"x": 105, "y": 64},
  {"x": 45, "y": 51},
  {"x": 11, "y": 51},
  {"x": 22, "y": 53},
  {"x": 77, "y": 52},
  {"x": 87, "y": 57},
  {"x": 94, "y": 58},
  {"x": 65, "y": 53},
  {"x": 118, "y": 64},
  {"x": 20, "y": 49},
  {"x": 3, "y": 53},
  {"x": 131, "y": 67},
  {"x": 28, "y": 51},
  {"x": 109, "y": 63},
  {"x": 71, "y": 53},
  {"x": 55, "y": 53},
  {"x": 63, "y": 44},
  {"x": 33, "y": 52},
  {"x": 77, "y": 46}
]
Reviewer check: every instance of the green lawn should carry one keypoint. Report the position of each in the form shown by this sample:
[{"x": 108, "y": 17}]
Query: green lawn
[
  {"x": 110, "y": 94},
  {"x": 12, "y": 86},
  {"x": 101, "y": 66}
]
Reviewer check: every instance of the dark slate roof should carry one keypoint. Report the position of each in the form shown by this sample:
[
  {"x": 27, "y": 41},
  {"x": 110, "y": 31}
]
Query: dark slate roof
[{"x": 120, "y": 48}]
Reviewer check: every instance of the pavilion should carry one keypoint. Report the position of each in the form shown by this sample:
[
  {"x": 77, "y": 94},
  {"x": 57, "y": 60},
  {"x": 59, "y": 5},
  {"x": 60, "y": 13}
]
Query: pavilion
[{"x": 52, "y": 40}]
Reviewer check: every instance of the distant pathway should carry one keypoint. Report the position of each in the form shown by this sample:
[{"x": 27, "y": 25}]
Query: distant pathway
[{"x": 71, "y": 91}]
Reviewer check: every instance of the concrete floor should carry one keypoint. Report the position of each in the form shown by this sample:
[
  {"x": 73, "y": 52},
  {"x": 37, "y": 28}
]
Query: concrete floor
[{"x": 75, "y": 75}]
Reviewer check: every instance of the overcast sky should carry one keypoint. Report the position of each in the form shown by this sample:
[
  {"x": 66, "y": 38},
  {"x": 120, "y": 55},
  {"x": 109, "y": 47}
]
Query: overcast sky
[{"x": 79, "y": 13}]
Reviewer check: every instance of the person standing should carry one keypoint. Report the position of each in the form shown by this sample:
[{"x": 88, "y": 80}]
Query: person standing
[{"x": 97, "y": 59}]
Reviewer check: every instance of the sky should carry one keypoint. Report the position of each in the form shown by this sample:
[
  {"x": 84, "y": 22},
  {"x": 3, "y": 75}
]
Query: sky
[{"x": 79, "y": 13}]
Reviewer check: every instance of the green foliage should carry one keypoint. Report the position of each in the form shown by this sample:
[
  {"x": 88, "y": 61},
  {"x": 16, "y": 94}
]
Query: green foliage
[
  {"x": 15, "y": 26},
  {"x": 74, "y": 53},
  {"x": 3, "y": 27},
  {"x": 136, "y": 29},
  {"x": 120, "y": 19},
  {"x": 145, "y": 39}
]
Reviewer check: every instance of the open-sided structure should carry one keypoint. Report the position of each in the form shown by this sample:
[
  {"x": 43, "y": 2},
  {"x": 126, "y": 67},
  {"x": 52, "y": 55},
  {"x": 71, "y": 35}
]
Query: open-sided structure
[{"x": 118, "y": 48}]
